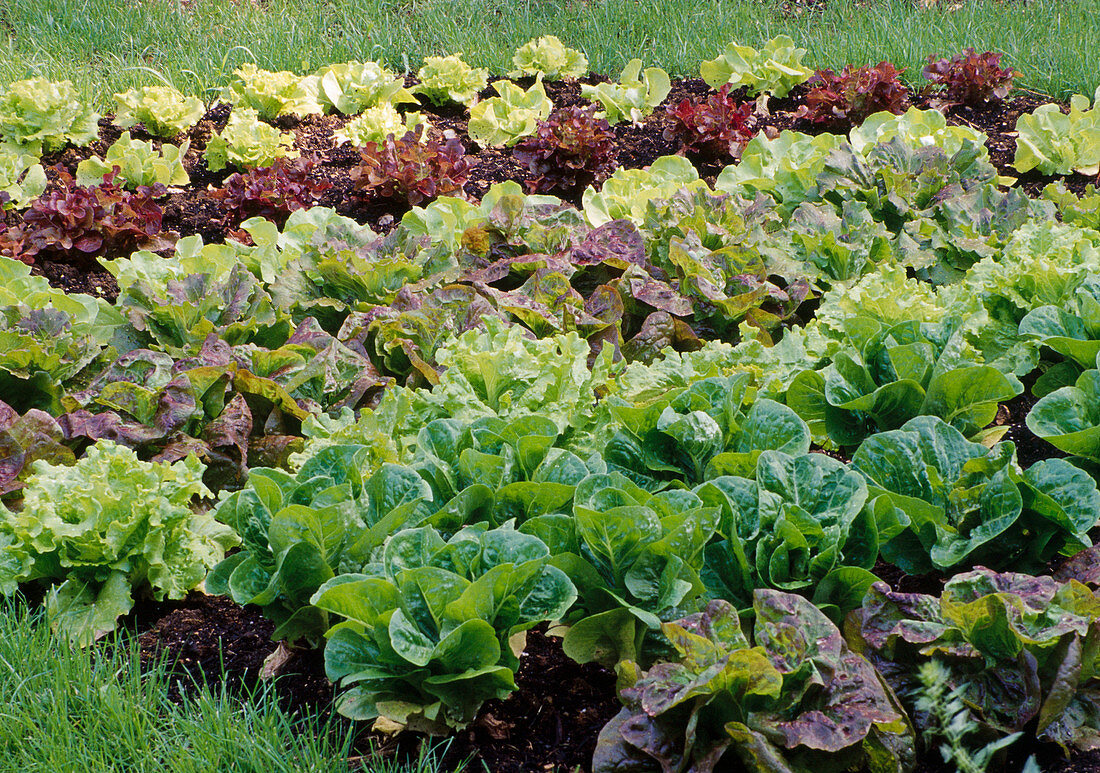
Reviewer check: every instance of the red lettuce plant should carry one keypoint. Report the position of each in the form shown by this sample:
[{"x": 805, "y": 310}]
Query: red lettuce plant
[
  {"x": 272, "y": 192},
  {"x": 571, "y": 149},
  {"x": 85, "y": 220},
  {"x": 714, "y": 126},
  {"x": 857, "y": 92},
  {"x": 969, "y": 78},
  {"x": 410, "y": 169}
]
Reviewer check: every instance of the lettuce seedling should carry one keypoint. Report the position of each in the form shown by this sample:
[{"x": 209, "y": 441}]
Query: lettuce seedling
[
  {"x": 22, "y": 178},
  {"x": 571, "y": 150},
  {"x": 445, "y": 79},
  {"x": 548, "y": 58},
  {"x": 635, "y": 96},
  {"x": 968, "y": 79},
  {"x": 81, "y": 220},
  {"x": 271, "y": 192},
  {"x": 713, "y": 126},
  {"x": 272, "y": 94},
  {"x": 1057, "y": 143},
  {"x": 378, "y": 123},
  {"x": 848, "y": 98},
  {"x": 137, "y": 163},
  {"x": 407, "y": 168},
  {"x": 352, "y": 87},
  {"x": 162, "y": 110},
  {"x": 43, "y": 116}
]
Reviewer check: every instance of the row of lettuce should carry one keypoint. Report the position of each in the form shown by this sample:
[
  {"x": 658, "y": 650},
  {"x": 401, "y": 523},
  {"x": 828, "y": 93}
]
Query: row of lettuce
[{"x": 38, "y": 115}]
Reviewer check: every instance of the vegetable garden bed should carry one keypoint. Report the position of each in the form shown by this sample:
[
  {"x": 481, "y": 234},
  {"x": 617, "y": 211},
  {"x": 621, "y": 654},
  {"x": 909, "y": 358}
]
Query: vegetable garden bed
[{"x": 772, "y": 435}]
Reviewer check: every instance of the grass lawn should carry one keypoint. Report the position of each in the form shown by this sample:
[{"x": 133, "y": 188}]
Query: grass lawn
[
  {"x": 101, "y": 709},
  {"x": 109, "y": 45}
]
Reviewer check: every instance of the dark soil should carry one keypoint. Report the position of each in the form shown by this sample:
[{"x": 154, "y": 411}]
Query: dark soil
[{"x": 1029, "y": 447}]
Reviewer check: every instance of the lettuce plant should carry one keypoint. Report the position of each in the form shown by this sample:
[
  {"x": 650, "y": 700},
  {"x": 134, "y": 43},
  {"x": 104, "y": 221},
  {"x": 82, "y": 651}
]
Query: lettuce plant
[
  {"x": 943, "y": 502},
  {"x": 272, "y": 94},
  {"x": 789, "y": 698},
  {"x": 515, "y": 114},
  {"x": 797, "y": 525},
  {"x": 1020, "y": 650},
  {"x": 425, "y": 636},
  {"x": 271, "y": 192},
  {"x": 377, "y": 123},
  {"x": 1069, "y": 418},
  {"x": 1056, "y": 143},
  {"x": 138, "y": 164},
  {"x": 80, "y": 220},
  {"x": 246, "y": 142},
  {"x": 713, "y": 126},
  {"x": 180, "y": 318},
  {"x": 1071, "y": 329},
  {"x": 626, "y": 193},
  {"x": 848, "y": 98},
  {"x": 701, "y": 432},
  {"x": 570, "y": 151},
  {"x": 916, "y": 128},
  {"x": 635, "y": 558},
  {"x": 892, "y": 374},
  {"x": 968, "y": 78},
  {"x": 162, "y": 110},
  {"x": 43, "y": 116},
  {"x": 35, "y": 435},
  {"x": 492, "y": 454},
  {"x": 1082, "y": 211},
  {"x": 547, "y": 57},
  {"x": 22, "y": 178},
  {"x": 300, "y": 531},
  {"x": 785, "y": 168},
  {"x": 775, "y": 69},
  {"x": 41, "y": 351},
  {"x": 105, "y": 529},
  {"x": 635, "y": 96},
  {"x": 352, "y": 87},
  {"x": 445, "y": 79},
  {"x": 408, "y": 169}
]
